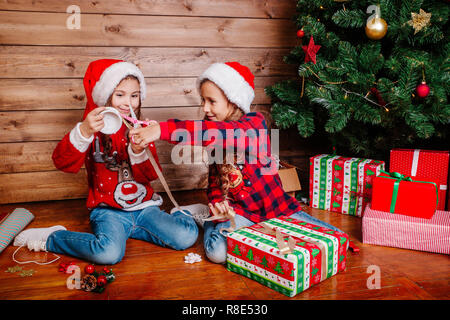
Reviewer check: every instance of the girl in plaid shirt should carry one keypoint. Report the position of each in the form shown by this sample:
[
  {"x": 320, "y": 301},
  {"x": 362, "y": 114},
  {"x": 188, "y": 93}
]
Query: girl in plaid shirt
[{"x": 243, "y": 183}]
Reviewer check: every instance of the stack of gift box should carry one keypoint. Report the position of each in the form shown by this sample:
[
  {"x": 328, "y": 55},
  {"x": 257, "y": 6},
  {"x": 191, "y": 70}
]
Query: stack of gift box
[
  {"x": 408, "y": 203},
  {"x": 402, "y": 208}
]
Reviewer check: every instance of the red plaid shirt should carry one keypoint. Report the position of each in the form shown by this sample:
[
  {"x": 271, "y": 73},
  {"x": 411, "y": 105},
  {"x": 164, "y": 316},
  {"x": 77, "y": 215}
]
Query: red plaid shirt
[{"x": 260, "y": 195}]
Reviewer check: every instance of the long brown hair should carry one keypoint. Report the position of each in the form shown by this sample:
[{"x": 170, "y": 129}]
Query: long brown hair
[{"x": 222, "y": 171}]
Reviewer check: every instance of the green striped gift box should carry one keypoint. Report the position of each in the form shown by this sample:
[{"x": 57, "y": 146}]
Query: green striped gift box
[
  {"x": 319, "y": 253},
  {"x": 342, "y": 184}
]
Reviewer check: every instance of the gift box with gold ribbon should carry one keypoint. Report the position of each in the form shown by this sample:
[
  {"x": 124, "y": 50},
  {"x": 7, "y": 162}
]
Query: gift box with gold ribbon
[
  {"x": 396, "y": 193},
  {"x": 286, "y": 254}
]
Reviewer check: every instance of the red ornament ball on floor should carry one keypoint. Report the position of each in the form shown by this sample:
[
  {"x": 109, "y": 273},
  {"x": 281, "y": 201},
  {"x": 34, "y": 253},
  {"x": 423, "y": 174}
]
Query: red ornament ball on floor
[
  {"x": 101, "y": 281},
  {"x": 89, "y": 269}
]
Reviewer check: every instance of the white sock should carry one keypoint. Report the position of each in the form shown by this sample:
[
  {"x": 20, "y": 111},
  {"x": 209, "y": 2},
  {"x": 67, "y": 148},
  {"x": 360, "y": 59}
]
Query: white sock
[{"x": 35, "y": 235}]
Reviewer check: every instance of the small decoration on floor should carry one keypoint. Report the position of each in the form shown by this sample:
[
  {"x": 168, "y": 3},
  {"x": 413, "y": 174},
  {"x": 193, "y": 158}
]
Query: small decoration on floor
[
  {"x": 89, "y": 269},
  {"x": 23, "y": 273},
  {"x": 14, "y": 269},
  {"x": 192, "y": 258},
  {"x": 27, "y": 273},
  {"x": 88, "y": 283},
  {"x": 63, "y": 266},
  {"x": 353, "y": 247},
  {"x": 96, "y": 281}
]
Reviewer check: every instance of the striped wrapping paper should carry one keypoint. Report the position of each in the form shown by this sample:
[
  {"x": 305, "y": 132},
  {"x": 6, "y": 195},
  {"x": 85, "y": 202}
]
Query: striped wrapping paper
[
  {"x": 319, "y": 254},
  {"x": 342, "y": 184},
  {"x": 400, "y": 231},
  {"x": 12, "y": 224}
]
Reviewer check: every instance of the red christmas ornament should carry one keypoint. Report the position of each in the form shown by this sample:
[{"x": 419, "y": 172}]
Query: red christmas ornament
[
  {"x": 106, "y": 270},
  {"x": 63, "y": 266},
  {"x": 423, "y": 89},
  {"x": 89, "y": 269},
  {"x": 101, "y": 281},
  {"x": 310, "y": 51},
  {"x": 300, "y": 33}
]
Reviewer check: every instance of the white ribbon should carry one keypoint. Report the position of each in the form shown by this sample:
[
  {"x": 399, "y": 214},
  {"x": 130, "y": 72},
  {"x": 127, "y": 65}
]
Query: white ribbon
[{"x": 415, "y": 162}]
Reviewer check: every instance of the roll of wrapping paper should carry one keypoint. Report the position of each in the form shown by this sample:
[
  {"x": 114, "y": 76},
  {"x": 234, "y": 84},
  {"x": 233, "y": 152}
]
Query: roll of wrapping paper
[{"x": 13, "y": 224}]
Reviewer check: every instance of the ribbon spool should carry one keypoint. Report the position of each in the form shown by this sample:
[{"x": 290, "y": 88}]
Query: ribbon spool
[{"x": 112, "y": 120}]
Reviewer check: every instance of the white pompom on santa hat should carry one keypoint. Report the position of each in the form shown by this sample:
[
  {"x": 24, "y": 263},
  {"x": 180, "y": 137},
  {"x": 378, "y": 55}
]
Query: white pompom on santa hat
[{"x": 235, "y": 80}]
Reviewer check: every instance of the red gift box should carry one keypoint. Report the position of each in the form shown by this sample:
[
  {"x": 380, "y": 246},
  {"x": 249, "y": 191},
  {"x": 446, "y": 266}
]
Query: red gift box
[
  {"x": 400, "y": 231},
  {"x": 423, "y": 165},
  {"x": 396, "y": 193}
]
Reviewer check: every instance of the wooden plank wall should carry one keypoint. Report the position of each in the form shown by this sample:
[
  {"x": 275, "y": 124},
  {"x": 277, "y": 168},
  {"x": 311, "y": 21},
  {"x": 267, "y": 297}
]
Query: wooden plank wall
[{"x": 42, "y": 64}]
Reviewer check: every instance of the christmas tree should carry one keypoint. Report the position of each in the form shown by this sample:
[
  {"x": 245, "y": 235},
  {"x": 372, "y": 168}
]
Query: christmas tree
[
  {"x": 264, "y": 262},
  {"x": 372, "y": 75},
  {"x": 236, "y": 251},
  {"x": 250, "y": 255},
  {"x": 278, "y": 268}
]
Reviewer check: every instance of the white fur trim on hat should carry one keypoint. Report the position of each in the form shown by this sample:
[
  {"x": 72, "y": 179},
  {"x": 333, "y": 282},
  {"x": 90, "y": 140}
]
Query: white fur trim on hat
[
  {"x": 233, "y": 85},
  {"x": 111, "y": 78}
]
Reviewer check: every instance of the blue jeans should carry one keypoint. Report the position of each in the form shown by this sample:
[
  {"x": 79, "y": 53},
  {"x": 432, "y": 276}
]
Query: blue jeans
[
  {"x": 216, "y": 244},
  {"x": 112, "y": 227}
]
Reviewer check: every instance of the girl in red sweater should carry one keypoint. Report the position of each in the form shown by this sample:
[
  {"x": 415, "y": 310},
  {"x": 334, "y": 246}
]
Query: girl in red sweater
[
  {"x": 244, "y": 184},
  {"x": 121, "y": 200}
]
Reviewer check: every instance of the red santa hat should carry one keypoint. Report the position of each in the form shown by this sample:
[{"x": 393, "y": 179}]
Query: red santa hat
[
  {"x": 235, "y": 80},
  {"x": 103, "y": 76}
]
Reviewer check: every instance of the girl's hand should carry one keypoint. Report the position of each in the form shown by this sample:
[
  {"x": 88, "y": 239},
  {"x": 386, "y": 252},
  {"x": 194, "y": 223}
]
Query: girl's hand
[
  {"x": 92, "y": 123},
  {"x": 220, "y": 209},
  {"x": 136, "y": 147},
  {"x": 143, "y": 136}
]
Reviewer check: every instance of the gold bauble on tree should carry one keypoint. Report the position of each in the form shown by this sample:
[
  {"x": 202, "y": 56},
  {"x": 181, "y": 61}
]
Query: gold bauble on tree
[{"x": 376, "y": 28}]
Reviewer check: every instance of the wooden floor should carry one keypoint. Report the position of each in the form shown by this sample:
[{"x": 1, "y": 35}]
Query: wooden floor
[{"x": 151, "y": 272}]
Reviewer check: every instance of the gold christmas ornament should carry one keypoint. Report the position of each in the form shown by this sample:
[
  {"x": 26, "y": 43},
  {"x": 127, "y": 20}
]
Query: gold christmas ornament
[
  {"x": 419, "y": 20},
  {"x": 376, "y": 28}
]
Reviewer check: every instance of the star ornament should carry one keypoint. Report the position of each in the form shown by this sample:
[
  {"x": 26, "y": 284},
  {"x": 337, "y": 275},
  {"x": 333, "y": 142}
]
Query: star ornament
[
  {"x": 311, "y": 51},
  {"x": 419, "y": 20}
]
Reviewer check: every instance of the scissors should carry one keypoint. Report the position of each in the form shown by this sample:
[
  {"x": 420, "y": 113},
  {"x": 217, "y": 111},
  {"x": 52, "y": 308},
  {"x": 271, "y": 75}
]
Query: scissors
[{"x": 134, "y": 120}]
